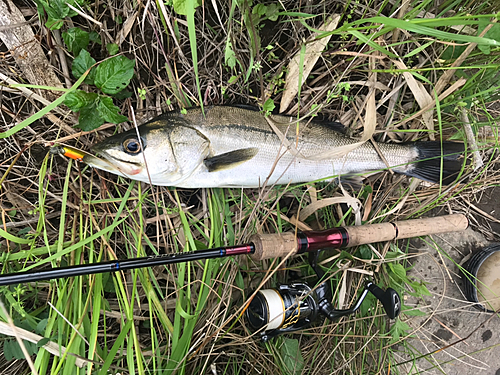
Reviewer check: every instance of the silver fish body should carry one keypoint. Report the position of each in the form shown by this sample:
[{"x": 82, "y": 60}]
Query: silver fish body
[{"x": 237, "y": 147}]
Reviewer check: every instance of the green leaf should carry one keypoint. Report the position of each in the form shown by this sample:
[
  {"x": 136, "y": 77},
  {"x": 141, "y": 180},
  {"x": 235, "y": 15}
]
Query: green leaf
[
  {"x": 114, "y": 74},
  {"x": 122, "y": 95},
  {"x": 229, "y": 55},
  {"x": 76, "y": 39},
  {"x": 31, "y": 348},
  {"x": 89, "y": 119},
  {"x": 54, "y": 23},
  {"x": 78, "y": 99},
  {"x": 81, "y": 64},
  {"x": 493, "y": 33},
  {"x": 41, "y": 326},
  {"x": 238, "y": 281},
  {"x": 60, "y": 7},
  {"x": 259, "y": 9},
  {"x": 95, "y": 37},
  {"x": 56, "y": 11},
  {"x": 292, "y": 357},
  {"x": 269, "y": 105},
  {"x": 8, "y": 350},
  {"x": 272, "y": 11},
  {"x": 415, "y": 26},
  {"x": 12, "y": 350},
  {"x": 398, "y": 270},
  {"x": 112, "y": 48},
  {"x": 42, "y": 342},
  {"x": 232, "y": 80},
  {"x": 398, "y": 329},
  {"x": 420, "y": 288},
  {"x": 452, "y": 52},
  {"x": 181, "y": 6},
  {"x": 412, "y": 312},
  {"x": 108, "y": 111},
  {"x": 365, "y": 252}
]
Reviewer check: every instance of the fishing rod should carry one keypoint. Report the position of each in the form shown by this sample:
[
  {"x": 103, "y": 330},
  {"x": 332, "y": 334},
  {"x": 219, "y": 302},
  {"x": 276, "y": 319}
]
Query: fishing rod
[{"x": 261, "y": 246}]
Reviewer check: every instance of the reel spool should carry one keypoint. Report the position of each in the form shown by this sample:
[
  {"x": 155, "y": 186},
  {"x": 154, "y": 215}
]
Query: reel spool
[
  {"x": 483, "y": 287},
  {"x": 287, "y": 308}
]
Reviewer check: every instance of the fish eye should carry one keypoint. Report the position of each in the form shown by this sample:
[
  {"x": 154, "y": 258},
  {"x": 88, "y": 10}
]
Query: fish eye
[{"x": 132, "y": 146}]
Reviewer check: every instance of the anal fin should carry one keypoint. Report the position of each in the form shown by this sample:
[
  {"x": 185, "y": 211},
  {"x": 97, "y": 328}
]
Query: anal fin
[{"x": 230, "y": 159}]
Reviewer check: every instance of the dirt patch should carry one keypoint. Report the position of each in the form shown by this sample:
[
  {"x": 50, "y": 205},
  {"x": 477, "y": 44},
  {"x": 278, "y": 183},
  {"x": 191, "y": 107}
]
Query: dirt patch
[{"x": 453, "y": 337}]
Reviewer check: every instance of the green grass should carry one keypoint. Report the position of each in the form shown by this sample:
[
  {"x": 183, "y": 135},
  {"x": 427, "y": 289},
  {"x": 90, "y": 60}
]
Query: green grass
[{"x": 183, "y": 319}]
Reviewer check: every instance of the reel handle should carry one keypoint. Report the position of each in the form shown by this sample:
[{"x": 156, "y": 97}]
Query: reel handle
[{"x": 281, "y": 244}]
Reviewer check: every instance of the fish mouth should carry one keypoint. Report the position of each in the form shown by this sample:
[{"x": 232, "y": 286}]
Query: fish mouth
[{"x": 112, "y": 164}]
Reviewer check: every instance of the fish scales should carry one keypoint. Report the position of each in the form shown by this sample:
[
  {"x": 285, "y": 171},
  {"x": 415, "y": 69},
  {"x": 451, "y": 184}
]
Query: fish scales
[{"x": 236, "y": 147}]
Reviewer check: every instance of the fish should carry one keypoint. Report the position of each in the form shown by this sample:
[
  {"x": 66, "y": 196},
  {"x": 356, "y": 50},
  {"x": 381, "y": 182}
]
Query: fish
[{"x": 233, "y": 146}]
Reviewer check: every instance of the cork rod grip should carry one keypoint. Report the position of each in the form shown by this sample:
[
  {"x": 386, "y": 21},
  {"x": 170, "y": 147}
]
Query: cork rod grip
[
  {"x": 281, "y": 244},
  {"x": 273, "y": 245},
  {"x": 406, "y": 229}
]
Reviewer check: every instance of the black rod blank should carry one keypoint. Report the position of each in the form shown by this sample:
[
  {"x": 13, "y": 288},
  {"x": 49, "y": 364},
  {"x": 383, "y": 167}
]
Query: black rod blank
[{"x": 122, "y": 265}]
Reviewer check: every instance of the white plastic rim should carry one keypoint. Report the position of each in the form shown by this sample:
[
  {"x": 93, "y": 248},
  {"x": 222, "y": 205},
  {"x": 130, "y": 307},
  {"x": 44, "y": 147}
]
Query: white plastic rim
[{"x": 275, "y": 308}]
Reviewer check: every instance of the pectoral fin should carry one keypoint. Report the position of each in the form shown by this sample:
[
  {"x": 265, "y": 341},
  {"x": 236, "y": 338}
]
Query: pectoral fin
[{"x": 230, "y": 159}]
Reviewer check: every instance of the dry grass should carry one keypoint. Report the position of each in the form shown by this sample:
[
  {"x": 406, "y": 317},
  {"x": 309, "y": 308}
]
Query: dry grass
[{"x": 219, "y": 343}]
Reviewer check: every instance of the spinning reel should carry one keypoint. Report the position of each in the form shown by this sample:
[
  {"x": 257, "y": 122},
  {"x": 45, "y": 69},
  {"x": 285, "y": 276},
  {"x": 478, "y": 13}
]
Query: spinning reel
[{"x": 295, "y": 306}]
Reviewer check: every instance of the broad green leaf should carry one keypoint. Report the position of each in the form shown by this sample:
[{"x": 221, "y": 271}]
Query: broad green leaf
[
  {"x": 114, "y": 74},
  {"x": 52, "y": 10},
  {"x": 238, "y": 281},
  {"x": 41, "y": 326},
  {"x": 398, "y": 270},
  {"x": 112, "y": 48},
  {"x": 420, "y": 288},
  {"x": 81, "y": 64},
  {"x": 54, "y": 23},
  {"x": 119, "y": 342},
  {"x": 9, "y": 349},
  {"x": 229, "y": 55},
  {"x": 398, "y": 329},
  {"x": 259, "y": 9},
  {"x": 292, "y": 357},
  {"x": 493, "y": 33},
  {"x": 122, "y": 95},
  {"x": 181, "y": 6},
  {"x": 273, "y": 11},
  {"x": 60, "y": 7},
  {"x": 365, "y": 252},
  {"x": 95, "y": 37},
  {"x": 89, "y": 118},
  {"x": 108, "y": 111},
  {"x": 269, "y": 105},
  {"x": 78, "y": 99},
  {"x": 76, "y": 39},
  {"x": 232, "y": 80}
]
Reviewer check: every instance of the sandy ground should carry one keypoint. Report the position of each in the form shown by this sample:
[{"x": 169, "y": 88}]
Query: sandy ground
[{"x": 450, "y": 318}]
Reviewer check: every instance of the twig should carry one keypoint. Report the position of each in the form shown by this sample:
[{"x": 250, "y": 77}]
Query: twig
[
  {"x": 84, "y": 15},
  {"x": 18, "y": 339},
  {"x": 471, "y": 139},
  {"x": 62, "y": 58}
]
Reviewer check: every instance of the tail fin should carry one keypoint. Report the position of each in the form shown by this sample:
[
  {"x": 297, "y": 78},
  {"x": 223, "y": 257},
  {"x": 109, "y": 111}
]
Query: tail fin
[{"x": 438, "y": 161}]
